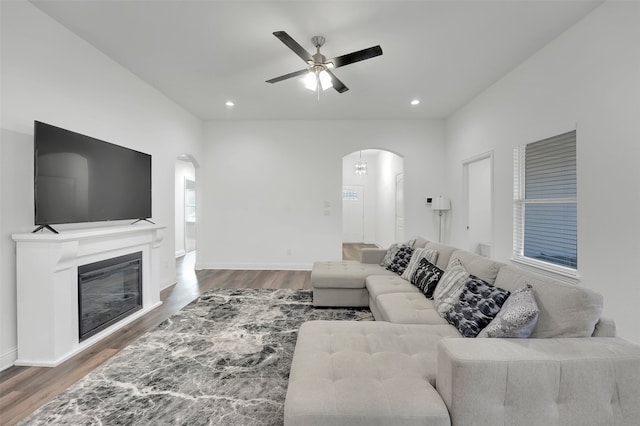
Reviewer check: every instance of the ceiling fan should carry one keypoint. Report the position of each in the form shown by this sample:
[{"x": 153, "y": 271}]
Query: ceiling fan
[{"x": 319, "y": 74}]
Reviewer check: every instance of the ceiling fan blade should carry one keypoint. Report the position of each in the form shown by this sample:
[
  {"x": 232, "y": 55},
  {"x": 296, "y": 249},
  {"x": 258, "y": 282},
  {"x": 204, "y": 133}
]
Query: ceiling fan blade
[
  {"x": 293, "y": 45},
  {"x": 360, "y": 55},
  {"x": 337, "y": 84},
  {"x": 287, "y": 76}
]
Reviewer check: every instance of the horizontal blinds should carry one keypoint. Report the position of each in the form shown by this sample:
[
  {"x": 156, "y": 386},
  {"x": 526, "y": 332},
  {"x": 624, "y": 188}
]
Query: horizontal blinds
[
  {"x": 545, "y": 209},
  {"x": 550, "y": 168},
  {"x": 550, "y": 233}
]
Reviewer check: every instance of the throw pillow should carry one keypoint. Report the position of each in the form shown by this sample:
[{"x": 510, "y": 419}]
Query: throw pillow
[
  {"x": 517, "y": 317},
  {"x": 478, "y": 304},
  {"x": 419, "y": 254},
  {"x": 450, "y": 286},
  {"x": 401, "y": 260},
  {"x": 389, "y": 255},
  {"x": 391, "y": 252},
  {"x": 426, "y": 277}
]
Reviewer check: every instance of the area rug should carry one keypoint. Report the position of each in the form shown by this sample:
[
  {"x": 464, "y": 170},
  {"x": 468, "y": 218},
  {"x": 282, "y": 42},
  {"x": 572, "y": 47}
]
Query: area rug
[{"x": 222, "y": 360}]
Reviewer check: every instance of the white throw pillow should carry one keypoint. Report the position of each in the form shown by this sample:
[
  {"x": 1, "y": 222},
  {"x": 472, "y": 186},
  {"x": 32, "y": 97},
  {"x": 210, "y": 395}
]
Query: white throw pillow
[
  {"x": 450, "y": 286},
  {"x": 416, "y": 257}
]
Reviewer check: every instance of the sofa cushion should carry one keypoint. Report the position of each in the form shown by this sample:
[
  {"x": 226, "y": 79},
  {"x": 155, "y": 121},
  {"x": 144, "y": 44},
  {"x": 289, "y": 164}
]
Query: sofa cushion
[
  {"x": 444, "y": 253},
  {"x": 383, "y": 284},
  {"x": 426, "y": 277},
  {"x": 408, "y": 308},
  {"x": 482, "y": 267},
  {"x": 517, "y": 317},
  {"x": 419, "y": 242},
  {"x": 365, "y": 373},
  {"x": 400, "y": 260},
  {"x": 416, "y": 257},
  {"x": 566, "y": 310},
  {"x": 530, "y": 382},
  {"x": 478, "y": 304},
  {"x": 345, "y": 274},
  {"x": 450, "y": 286}
]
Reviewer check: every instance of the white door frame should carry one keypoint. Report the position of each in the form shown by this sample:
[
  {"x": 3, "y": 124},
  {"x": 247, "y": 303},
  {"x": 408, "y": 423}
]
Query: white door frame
[
  {"x": 400, "y": 205},
  {"x": 465, "y": 196}
]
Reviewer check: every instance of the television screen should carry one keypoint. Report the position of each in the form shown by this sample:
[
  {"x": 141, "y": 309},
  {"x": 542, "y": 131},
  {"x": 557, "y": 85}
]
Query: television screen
[{"x": 82, "y": 179}]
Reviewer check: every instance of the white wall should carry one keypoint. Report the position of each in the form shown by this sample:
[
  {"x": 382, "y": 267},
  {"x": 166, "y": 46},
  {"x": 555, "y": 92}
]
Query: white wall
[
  {"x": 51, "y": 75},
  {"x": 590, "y": 78},
  {"x": 273, "y": 189}
]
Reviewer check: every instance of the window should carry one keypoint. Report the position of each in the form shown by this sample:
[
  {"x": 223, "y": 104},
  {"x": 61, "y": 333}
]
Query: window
[
  {"x": 349, "y": 195},
  {"x": 545, "y": 206}
]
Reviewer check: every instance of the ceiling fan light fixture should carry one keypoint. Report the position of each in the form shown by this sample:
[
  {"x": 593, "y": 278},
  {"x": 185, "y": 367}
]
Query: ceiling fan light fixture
[
  {"x": 325, "y": 80},
  {"x": 310, "y": 81},
  {"x": 316, "y": 80}
]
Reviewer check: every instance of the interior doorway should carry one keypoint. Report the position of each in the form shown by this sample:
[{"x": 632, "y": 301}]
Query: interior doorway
[
  {"x": 353, "y": 214},
  {"x": 373, "y": 200},
  {"x": 478, "y": 188},
  {"x": 185, "y": 205}
]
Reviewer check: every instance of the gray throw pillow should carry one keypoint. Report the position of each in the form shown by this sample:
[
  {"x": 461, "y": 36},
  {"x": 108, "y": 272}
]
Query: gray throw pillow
[
  {"x": 478, "y": 304},
  {"x": 517, "y": 318},
  {"x": 448, "y": 290},
  {"x": 400, "y": 260},
  {"x": 389, "y": 255},
  {"x": 387, "y": 260}
]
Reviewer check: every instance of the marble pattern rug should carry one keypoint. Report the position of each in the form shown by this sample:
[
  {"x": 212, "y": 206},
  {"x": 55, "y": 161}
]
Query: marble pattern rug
[{"x": 224, "y": 359}]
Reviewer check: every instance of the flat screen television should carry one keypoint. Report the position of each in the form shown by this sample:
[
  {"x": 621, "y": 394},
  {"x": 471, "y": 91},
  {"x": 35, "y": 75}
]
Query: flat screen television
[{"x": 78, "y": 179}]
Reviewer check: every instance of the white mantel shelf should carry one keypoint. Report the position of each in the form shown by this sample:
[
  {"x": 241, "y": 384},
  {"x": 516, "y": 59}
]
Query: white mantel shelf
[
  {"x": 87, "y": 233},
  {"x": 47, "y": 287}
]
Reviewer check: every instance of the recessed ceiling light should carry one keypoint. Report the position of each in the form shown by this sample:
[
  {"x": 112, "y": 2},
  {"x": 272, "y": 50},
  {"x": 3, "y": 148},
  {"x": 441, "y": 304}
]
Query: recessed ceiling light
[
  {"x": 229, "y": 103},
  {"x": 415, "y": 102}
]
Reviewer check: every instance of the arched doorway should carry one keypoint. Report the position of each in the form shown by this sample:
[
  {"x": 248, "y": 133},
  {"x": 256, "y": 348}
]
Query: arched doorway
[{"x": 372, "y": 201}]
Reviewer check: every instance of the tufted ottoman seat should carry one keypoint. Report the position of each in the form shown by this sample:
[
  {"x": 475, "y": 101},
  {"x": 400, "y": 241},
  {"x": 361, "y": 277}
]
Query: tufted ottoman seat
[
  {"x": 343, "y": 283},
  {"x": 366, "y": 373}
]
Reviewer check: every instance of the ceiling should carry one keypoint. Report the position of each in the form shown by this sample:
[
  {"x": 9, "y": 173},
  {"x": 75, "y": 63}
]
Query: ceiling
[{"x": 204, "y": 53}]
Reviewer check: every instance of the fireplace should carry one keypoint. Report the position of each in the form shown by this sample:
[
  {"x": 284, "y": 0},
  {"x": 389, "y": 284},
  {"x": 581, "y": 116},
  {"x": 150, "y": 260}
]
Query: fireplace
[{"x": 108, "y": 291}]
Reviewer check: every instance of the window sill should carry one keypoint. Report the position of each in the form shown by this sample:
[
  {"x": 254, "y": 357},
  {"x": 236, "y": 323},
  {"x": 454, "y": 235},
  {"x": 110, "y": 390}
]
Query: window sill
[{"x": 554, "y": 271}]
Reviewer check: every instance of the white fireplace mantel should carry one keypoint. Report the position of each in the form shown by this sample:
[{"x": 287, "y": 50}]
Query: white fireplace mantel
[{"x": 47, "y": 286}]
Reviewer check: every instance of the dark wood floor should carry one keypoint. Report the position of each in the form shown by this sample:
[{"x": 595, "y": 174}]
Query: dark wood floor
[{"x": 24, "y": 389}]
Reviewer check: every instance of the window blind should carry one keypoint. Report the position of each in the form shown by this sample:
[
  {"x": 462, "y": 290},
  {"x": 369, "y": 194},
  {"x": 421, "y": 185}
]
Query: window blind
[{"x": 545, "y": 204}]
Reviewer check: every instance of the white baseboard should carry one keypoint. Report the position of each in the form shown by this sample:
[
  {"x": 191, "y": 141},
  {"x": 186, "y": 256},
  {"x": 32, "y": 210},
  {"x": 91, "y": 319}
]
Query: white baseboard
[
  {"x": 8, "y": 358},
  {"x": 256, "y": 266},
  {"x": 168, "y": 283},
  {"x": 180, "y": 253}
]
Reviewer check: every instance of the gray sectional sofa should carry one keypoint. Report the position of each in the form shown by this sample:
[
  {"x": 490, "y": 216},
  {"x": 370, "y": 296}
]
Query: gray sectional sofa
[{"x": 411, "y": 367}]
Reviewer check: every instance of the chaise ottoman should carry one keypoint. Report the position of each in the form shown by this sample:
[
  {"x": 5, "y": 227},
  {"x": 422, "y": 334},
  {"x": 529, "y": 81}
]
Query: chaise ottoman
[
  {"x": 366, "y": 373},
  {"x": 343, "y": 283}
]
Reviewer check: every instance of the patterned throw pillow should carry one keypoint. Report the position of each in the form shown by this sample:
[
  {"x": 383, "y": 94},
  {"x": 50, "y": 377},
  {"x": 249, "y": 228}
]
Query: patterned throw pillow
[
  {"x": 419, "y": 254},
  {"x": 389, "y": 255},
  {"x": 478, "y": 304},
  {"x": 448, "y": 290},
  {"x": 401, "y": 260},
  {"x": 517, "y": 317},
  {"x": 426, "y": 277},
  {"x": 391, "y": 252}
]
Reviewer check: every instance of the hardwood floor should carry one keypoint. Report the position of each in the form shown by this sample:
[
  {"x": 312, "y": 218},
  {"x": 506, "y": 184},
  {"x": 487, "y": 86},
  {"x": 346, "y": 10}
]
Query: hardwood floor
[{"x": 24, "y": 389}]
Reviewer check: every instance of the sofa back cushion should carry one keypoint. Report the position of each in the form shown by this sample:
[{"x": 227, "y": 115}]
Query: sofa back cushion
[
  {"x": 566, "y": 310},
  {"x": 444, "y": 253},
  {"x": 482, "y": 267},
  {"x": 420, "y": 242}
]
